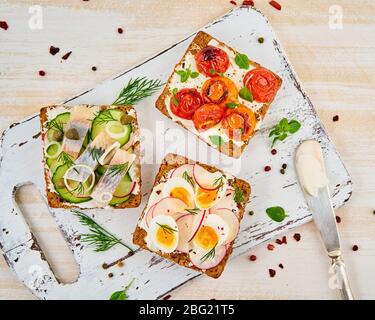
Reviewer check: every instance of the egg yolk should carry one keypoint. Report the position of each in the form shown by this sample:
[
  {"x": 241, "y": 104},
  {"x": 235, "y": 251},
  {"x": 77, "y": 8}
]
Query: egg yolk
[
  {"x": 165, "y": 237},
  {"x": 182, "y": 194},
  {"x": 206, "y": 238},
  {"x": 206, "y": 197}
]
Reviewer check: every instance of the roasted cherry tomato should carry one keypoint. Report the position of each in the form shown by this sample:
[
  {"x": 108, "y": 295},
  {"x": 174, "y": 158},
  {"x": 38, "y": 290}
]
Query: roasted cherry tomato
[
  {"x": 184, "y": 103},
  {"x": 240, "y": 122},
  {"x": 207, "y": 116},
  {"x": 219, "y": 90},
  {"x": 211, "y": 61},
  {"x": 262, "y": 83}
]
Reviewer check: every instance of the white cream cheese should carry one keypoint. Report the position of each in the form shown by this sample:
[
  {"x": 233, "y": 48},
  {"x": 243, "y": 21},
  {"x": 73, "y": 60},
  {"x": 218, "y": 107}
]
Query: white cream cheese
[{"x": 310, "y": 166}]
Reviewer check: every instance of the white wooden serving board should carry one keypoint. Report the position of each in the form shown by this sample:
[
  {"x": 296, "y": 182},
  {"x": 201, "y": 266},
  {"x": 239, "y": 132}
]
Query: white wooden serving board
[{"x": 21, "y": 163}]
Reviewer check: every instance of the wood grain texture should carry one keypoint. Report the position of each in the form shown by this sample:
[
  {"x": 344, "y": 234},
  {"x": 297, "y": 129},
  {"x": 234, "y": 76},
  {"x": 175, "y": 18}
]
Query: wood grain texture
[{"x": 335, "y": 67}]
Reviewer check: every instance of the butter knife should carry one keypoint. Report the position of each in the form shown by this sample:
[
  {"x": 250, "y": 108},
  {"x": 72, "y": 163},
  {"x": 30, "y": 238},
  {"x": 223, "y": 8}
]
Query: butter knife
[{"x": 310, "y": 167}]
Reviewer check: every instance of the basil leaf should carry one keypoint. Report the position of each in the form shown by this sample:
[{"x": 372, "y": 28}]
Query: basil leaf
[
  {"x": 283, "y": 136},
  {"x": 239, "y": 195},
  {"x": 276, "y": 213},
  {"x": 216, "y": 140},
  {"x": 294, "y": 126},
  {"x": 174, "y": 98},
  {"x": 242, "y": 61},
  {"x": 274, "y": 132},
  {"x": 119, "y": 295},
  {"x": 245, "y": 94},
  {"x": 194, "y": 75},
  {"x": 212, "y": 71},
  {"x": 283, "y": 124},
  {"x": 232, "y": 105}
]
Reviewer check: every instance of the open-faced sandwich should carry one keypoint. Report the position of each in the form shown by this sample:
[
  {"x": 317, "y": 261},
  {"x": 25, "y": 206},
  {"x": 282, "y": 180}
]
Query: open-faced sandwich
[
  {"x": 193, "y": 215},
  {"x": 91, "y": 156},
  {"x": 218, "y": 94}
]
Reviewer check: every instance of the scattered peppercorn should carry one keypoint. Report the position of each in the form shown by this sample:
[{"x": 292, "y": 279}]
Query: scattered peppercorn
[
  {"x": 167, "y": 297},
  {"x": 272, "y": 272},
  {"x": 373, "y": 212},
  {"x": 335, "y": 118},
  {"x": 297, "y": 237},
  {"x": 130, "y": 253},
  {"x": 104, "y": 266},
  {"x": 120, "y": 264},
  {"x": 4, "y": 25},
  {"x": 278, "y": 241},
  {"x": 267, "y": 168},
  {"x": 275, "y": 4},
  {"x": 282, "y": 171},
  {"x": 270, "y": 247},
  {"x": 355, "y": 248},
  {"x": 94, "y": 68},
  {"x": 284, "y": 166},
  {"x": 281, "y": 266},
  {"x": 261, "y": 40},
  {"x": 273, "y": 151},
  {"x": 253, "y": 257},
  {"x": 338, "y": 219},
  {"x": 42, "y": 73},
  {"x": 66, "y": 55},
  {"x": 110, "y": 275},
  {"x": 233, "y": 2},
  {"x": 251, "y": 212},
  {"x": 120, "y": 30},
  {"x": 248, "y": 3},
  {"x": 284, "y": 240},
  {"x": 53, "y": 50}
]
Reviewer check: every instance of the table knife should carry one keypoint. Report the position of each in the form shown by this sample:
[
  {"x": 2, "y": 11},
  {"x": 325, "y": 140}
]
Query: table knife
[{"x": 312, "y": 176}]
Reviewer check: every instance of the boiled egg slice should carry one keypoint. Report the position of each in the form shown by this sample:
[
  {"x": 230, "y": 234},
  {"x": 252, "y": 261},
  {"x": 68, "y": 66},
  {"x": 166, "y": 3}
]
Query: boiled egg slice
[
  {"x": 181, "y": 189},
  {"x": 212, "y": 233},
  {"x": 164, "y": 233}
]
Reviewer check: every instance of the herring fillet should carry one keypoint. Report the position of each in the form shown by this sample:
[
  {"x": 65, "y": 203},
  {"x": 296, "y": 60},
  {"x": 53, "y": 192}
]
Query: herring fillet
[
  {"x": 80, "y": 120},
  {"x": 109, "y": 182}
]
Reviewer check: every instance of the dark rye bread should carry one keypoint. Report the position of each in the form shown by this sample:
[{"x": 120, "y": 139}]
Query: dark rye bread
[
  {"x": 53, "y": 198},
  {"x": 200, "y": 41},
  {"x": 170, "y": 162}
]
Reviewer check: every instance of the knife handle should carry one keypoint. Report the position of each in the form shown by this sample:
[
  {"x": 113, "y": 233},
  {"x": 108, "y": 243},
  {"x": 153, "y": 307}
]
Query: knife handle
[{"x": 343, "y": 281}]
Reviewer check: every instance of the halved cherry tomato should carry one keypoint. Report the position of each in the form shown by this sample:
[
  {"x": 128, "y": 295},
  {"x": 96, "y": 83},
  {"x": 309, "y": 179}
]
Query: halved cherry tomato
[
  {"x": 219, "y": 90},
  {"x": 240, "y": 122},
  {"x": 262, "y": 83},
  {"x": 211, "y": 60},
  {"x": 207, "y": 116},
  {"x": 185, "y": 102}
]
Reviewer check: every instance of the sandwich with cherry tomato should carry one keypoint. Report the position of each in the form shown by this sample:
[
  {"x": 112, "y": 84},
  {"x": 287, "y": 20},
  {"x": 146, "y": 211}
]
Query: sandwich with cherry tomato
[{"x": 219, "y": 94}]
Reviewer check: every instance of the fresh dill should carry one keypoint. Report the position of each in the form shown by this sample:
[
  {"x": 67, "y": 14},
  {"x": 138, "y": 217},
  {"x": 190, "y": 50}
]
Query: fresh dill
[
  {"x": 219, "y": 183},
  {"x": 239, "y": 196},
  {"x": 136, "y": 90},
  {"x": 167, "y": 229},
  {"x": 193, "y": 211},
  {"x": 98, "y": 236},
  {"x": 56, "y": 125},
  {"x": 210, "y": 254},
  {"x": 188, "y": 178},
  {"x": 103, "y": 117},
  {"x": 96, "y": 153},
  {"x": 80, "y": 189},
  {"x": 116, "y": 169},
  {"x": 65, "y": 158}
]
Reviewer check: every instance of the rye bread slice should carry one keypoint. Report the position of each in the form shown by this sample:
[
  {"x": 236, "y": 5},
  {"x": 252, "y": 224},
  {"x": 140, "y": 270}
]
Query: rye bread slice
[{"x": 172, "y": 161}]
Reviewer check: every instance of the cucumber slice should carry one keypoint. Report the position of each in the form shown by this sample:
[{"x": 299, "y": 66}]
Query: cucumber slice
[
  {"x": 59, "y": 121},
  {"x": 58, "y": 182},
  {"x": 111, "y": 115},
  {"x": 102, "y": 169},
  {"x": 122, "y": 189},
  {"x": 52, "y": 150}
]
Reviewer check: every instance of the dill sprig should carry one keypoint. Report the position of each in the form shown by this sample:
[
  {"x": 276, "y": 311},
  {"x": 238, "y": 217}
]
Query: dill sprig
[
  {"x": 115, "y": 169},
  {"x": 136, "y": 90},
  {"x": 219, "y": 183},
  {"x": 193, "y": 211},
  {"x": 65, "y": 158},
  {"x": 188, "y": 178},
  {"x": 166, "y": 229},
  {"x": 56, "y": 125},
  {"x": 98, "y": 236},
  {"x": 103, "y": 117},
  {"x": 239, "y": 195},
  {"x": 96, "y": 153},
  {"x": 79, "y": 189},
  {"x": 210, "y": 254}
]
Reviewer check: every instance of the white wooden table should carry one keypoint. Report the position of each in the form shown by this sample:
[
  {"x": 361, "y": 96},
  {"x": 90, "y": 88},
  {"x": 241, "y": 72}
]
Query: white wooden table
[{"x": 336, "y": 67}]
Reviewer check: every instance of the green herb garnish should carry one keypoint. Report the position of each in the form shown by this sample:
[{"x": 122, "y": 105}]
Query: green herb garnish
[
  {"x": 242, "y": 61},
  {"x": 219, "y": 183},
  {"x": 185, "y": 74},
  {"x": 239, "y": 196},
  {"x": 193, "y": 211},
  {"x": 96, "y": 153},
  {"x": 282, "y": 129},
  {"x": 98, "y": 236},
  {"x": 276, "y": 213},
  {"x": 103, "y": 117},
  {"x": 116, "y": 169},
  {"x": 174, "y": 98},
  {"x": 214, "y": 72},
  {"x": 56, "y": 125},
  {"x": 188, "y": 178},
  {"x": 246, "y": 94},
  {"x": 217, "y": 140},
  {"x": 65, "y": 158},
  {"x": 167, "y": 229},
  {"x": 210, "y": 254},
  {"x": 122, "y": 294},
  {"x": 231, "y": 105},
  {"x": 137, "y": 90}
]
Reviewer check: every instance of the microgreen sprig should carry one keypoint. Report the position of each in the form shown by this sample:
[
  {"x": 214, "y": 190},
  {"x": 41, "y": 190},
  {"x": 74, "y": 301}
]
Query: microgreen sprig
[
  {"x": 188, "y": 178},
  {"x": 210, "y": 254},
  {"x": 185, "y": 74}
]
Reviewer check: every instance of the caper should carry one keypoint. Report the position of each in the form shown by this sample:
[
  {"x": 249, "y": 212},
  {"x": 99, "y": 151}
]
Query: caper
[
  {"x": 126, "y": 119},
  {"x": 57, "y": 135},
  {"x": 72, "y": 134}
]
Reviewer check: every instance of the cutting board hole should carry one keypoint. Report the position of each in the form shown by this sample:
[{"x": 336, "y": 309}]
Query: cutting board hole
[{"x": 48, "y": 235}]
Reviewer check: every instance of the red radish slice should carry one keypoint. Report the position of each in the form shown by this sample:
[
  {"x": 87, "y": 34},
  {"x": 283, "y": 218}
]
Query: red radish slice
[
  {"x": 130, "y": 192},
  {"x": 178, "y": 172},
  {"x": 206, "y": 180},
  {"x": 197, "y": 223},
  {"x": 184, "y": 224},
  {"x": 199, "y": 260},
  {"x": 166, "y": 206},
  {"x": 170, "y": 173},
  {"x": 231, "y": 219}
]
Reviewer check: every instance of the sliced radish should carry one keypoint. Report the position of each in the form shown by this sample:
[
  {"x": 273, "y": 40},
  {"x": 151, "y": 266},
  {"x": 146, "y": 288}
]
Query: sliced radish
[
  {"x": 166, "y": 206},
  {"x": 232, "y": 221},
  {"x": 184, "y": 223},
  {"x": 197, "y": 223},
  {"x": 207, "y": 180},
  {"x": 198, "y": 258},
  {"x": 226, "y": 201},
  {"x": 179, "y": 172}
]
